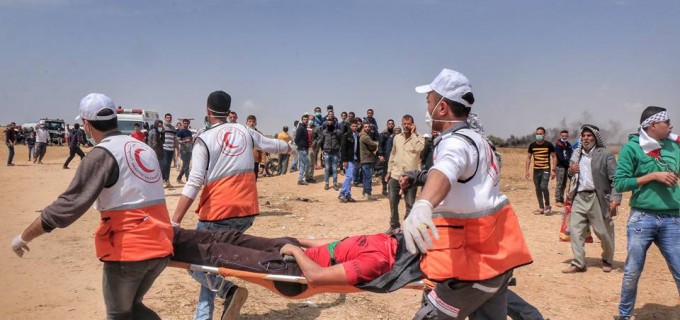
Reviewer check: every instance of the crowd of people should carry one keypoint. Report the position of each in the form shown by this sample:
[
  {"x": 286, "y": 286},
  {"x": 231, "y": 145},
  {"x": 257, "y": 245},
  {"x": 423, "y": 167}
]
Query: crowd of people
[{"x": 462, "y": 229}]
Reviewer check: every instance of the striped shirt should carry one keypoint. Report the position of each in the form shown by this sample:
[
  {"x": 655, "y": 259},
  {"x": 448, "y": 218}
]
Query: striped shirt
[{"x": 170, "y": 136}]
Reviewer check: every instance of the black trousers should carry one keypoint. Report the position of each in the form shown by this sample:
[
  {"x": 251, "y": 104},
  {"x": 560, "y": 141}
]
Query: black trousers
[{"x": 73, "y": 151}]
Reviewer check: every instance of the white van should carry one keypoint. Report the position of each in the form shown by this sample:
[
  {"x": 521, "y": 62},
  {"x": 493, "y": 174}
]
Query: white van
[{"x": 128, "y": 117}]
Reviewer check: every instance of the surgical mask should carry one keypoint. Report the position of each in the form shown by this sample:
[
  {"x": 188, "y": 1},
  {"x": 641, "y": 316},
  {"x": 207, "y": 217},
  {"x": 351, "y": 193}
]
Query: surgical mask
[
  {"x": 539, "y": 137},
  {"x": 310, "y": 122},
  {"x": 428, "y": 116},
  {"x": 318, "y": 114},
  {"x": 160, "y": 129},
  {"x": 563, "y": 140}
]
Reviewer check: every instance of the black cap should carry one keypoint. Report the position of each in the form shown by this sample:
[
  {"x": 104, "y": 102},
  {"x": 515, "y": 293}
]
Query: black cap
[{"x": 219, "y": 101}]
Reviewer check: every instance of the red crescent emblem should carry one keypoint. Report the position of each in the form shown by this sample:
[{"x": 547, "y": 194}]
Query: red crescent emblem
[
  {"x": 139, "y": 161},
  {"x": 226, "y": 141}
]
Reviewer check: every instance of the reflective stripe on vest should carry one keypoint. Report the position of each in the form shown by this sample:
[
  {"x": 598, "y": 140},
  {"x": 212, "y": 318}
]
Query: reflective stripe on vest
[
  {"x": 474, "y": 247},
  {"x": 135, "y": 224}
]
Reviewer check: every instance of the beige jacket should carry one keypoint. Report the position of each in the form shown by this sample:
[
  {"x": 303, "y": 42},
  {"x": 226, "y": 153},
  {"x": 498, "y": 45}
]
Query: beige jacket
[{"x": 405, "y": 154}]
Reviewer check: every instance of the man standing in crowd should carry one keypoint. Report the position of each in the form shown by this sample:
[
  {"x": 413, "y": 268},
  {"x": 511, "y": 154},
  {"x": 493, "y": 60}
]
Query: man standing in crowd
[
  {"x": 367, "y": 149},
  {"x": 373, "y": 134},
  {"x": 313, "y": 133},
  {"x": 233, "y": 117},
  {"x": 251, "y": 122},
  {"x": 42, "y": 138},
  {"x": 350, "y": 158},
  {"x": 595, "y": 200},
  {"x": 169, "y": 145},
  {"x": 75, "y": 140},
  {"x": 330, "y": 144},
  {"x": 302, "y": 142},
  {"x": 10, "y": 139},
  {"x": 543, "y": 152},
  {"x": 155, "y": 140},
  {"x": 283, "y": 157},
  {"x": 384, "y": 153},
  {"x": 343, "y": 122},
  {"x": 30, "y": 142},
  {"x": 137, "y": 133},
  {"x": 481, "y": 242},
  {"x": 186, "y": 144},
  {"x": 404, "y": 156},
  {"x": 563, "y": 151},
  {"x": 223, "y": 166},
  {"x": 318, "y": 117},
  {"x": 649, "y": 166},
  {"x": 122, "y": 178}
]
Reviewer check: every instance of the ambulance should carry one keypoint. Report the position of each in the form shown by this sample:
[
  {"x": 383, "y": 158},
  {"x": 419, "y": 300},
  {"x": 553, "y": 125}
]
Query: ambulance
[{"x": 128, "y": 117}]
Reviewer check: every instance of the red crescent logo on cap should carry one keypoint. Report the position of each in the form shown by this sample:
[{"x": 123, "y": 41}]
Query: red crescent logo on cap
[{"x": 139, "y": 161}]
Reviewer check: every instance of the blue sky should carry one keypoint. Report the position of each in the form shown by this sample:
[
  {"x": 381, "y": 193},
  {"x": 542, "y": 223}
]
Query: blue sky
[{"x": 531, "y": 63}]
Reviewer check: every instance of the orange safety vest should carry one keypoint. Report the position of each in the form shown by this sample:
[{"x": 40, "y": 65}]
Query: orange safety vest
[
  {"x": 135, "y": 224},
  {"x": 134, "y": 234},
  {"x": 233, "y": 196},
  {"x": 476, "y": 246}
]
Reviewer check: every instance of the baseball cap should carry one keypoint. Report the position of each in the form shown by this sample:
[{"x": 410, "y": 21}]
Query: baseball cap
[
  {"x": 450, "y": 84},
  {"x": 92, "y": 104}
]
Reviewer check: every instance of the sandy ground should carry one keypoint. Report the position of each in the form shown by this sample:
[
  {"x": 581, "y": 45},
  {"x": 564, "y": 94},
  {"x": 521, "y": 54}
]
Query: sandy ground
[{"x": 60, "y": 278}]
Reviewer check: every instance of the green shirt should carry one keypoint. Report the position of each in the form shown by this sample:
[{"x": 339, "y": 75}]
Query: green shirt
[{"x": 634, "y": 163}]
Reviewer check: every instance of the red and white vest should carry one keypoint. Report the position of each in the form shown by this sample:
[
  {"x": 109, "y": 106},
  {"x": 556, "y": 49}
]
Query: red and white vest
[
  {"x": 135, "y": 224},
  {"x": 230, "y": 190}
]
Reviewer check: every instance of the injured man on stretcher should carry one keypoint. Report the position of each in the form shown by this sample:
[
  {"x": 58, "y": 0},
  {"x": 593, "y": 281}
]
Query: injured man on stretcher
[
  {"x": 378, "y": 263},
  {"x": 349, "y": 261}
]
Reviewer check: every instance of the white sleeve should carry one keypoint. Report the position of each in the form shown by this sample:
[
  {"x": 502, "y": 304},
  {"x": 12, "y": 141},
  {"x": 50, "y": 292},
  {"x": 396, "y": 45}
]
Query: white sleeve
[
  {"x": 455, "y": 158},
  {"x": 270, "y": 145},
  {"x": 199, "y": 165}
]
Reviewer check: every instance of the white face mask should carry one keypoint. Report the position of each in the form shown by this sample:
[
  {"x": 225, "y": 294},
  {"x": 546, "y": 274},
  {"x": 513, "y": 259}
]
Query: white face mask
[{"x": 428, "y": 116}]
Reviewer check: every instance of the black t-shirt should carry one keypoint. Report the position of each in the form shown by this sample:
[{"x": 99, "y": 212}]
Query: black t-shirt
[{"x": 541, "y": 154}]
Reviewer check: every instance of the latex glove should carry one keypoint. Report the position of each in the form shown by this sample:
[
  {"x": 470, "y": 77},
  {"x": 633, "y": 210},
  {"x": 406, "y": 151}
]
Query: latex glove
[
  {"x": 416, "y": 227},
  {"x": 19, "y": 246}
]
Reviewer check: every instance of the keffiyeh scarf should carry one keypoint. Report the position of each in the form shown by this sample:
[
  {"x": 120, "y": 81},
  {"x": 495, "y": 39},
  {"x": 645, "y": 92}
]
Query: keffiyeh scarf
[{"x": 649, "y": 145}]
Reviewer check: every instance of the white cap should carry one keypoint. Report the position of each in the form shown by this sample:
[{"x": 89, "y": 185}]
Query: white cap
[
  {"x": 449, "y": 84},
  {"x": 92, "y": 104}
]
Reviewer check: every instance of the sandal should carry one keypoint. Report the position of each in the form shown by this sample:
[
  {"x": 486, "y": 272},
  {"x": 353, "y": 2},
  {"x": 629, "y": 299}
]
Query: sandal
[{"x": 538, "y": 211}]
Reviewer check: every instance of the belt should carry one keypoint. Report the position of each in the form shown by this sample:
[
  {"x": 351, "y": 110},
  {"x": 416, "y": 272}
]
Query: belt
[{"x": 587, "y": 191}]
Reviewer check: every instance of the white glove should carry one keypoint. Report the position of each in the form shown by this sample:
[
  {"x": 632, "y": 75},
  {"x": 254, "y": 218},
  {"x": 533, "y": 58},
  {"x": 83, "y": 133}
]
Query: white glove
[
  {"x": 416, "y": 225},
  {"x": 19, "y": 246}
]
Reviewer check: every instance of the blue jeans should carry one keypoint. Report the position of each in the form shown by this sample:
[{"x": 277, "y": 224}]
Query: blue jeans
[
  {"x": 356, "y": 174},
  {"x": 645, "y": 228},
  {"x": 303, "y": 162},
  {"x": 206, "y": 297},
  {"x": 186, "y": 160},
  {"x": 165, "y": 165},
  {"x": 367, "y": 170},
  {"x": 331, "y": 162},
  {"x": 346, "y": 189}
]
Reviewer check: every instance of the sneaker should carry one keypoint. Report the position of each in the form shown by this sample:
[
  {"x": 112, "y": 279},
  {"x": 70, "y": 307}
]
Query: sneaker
[
  {"x": 342, "y": 199},
  {"x": 65, "y": 167},
  {"x": 233, "y": 303},
  {"x": 311, "y": 180},
  {"x": 167, "y": 184},
  {"x": 606, "y": 266},
  {"x": 538, "y": 211},
  {"x": 12, "y": 164},
  {"x": 369, "y": 197},
  {"x": 326, "y": 187},
  {"x": 622, "y": 317},
  {"x": 574, "y": 269},
  {"x": 179, "y": 181},
  {"x": 547, "y": 210},
  {"x": 336, "y": 187},
  {"x": 350, "y": 199},
  {"x": 302, "y": 183},
  {"x": 359, "y": 184}
]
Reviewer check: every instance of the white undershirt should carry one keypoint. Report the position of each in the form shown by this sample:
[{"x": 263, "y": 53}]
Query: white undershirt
[{"x": 585, "y": 176}]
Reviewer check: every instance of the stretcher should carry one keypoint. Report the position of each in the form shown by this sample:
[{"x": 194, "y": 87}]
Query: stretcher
[{"x": 289, "y": 287}]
